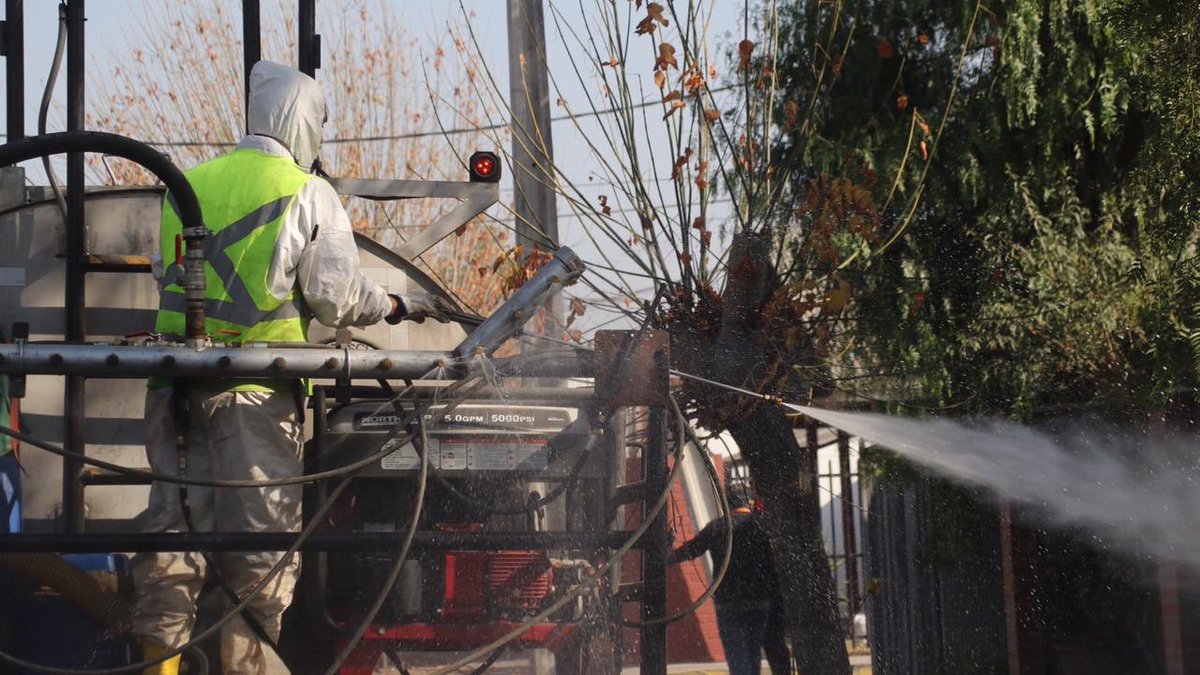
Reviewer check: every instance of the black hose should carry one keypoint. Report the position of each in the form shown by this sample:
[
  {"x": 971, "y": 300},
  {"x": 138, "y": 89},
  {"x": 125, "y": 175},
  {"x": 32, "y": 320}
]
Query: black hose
[
  {"x": 305, "y": 533},
  {"x": 422, "y": 438},
  {"x": 185, "y": 202},
  {"x": 202, "y": 665},
  {"x": 719, "y": 574},
  {"x": 351, "y": 468},
  {"x": 111, "y": 144},
  {"x": 44, "y": 110},
  {"x": 487, "y": 664},
  {"x": 394, "y": 658},
  {"x": 222, "y": 583},
  {"x": 573, "y": 593}
]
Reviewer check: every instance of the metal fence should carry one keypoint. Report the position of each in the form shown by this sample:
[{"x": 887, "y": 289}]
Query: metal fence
[
  {"x": 842, "y": 520},
  {"x": 933, "y": 608}
]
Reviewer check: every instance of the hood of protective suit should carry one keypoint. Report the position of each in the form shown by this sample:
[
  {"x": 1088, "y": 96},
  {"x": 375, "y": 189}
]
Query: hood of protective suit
[{"x": 287, "y": 105}]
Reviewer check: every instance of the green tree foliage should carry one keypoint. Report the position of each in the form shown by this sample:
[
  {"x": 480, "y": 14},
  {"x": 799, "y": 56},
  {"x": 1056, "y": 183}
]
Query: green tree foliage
[{"x": 1035, "y": 167}]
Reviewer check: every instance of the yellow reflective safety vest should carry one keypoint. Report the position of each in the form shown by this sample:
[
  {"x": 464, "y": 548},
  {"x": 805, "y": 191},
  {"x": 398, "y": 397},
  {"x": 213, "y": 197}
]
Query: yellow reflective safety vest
[{"x": 244, "y": 196}]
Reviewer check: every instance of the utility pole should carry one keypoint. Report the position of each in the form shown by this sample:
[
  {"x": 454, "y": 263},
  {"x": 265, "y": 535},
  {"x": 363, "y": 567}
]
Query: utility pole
[
  {"x": 532, "y": 149},
  {"x": 532, "y": 158}
]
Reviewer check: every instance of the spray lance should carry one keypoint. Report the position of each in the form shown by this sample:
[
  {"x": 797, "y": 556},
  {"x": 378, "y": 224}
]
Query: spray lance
[{"x": 564, "y": 269}]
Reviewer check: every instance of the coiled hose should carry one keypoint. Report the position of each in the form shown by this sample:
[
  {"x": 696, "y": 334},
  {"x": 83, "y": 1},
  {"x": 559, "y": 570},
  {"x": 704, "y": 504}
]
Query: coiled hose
[{"x": 77, "y": 586}]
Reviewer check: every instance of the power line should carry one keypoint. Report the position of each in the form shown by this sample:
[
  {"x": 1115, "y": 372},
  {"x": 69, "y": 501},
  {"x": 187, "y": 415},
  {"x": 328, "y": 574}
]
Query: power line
[{"x": 417, "y": 134}]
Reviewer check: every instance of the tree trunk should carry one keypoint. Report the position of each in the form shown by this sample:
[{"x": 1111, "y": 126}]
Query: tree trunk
[
  {"x": 738, "y": 356},
  {"x": 792, "y": 516}
]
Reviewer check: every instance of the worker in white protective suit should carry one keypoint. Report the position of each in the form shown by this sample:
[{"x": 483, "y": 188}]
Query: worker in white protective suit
[{"x": 281, "y": 250}]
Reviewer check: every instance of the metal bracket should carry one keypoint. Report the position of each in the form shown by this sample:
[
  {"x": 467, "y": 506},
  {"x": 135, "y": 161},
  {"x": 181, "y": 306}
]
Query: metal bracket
[
  {"x": 476, "y": 198},
  {"x": 632, "y": 367},
  {"x": 16, "y": 381}
]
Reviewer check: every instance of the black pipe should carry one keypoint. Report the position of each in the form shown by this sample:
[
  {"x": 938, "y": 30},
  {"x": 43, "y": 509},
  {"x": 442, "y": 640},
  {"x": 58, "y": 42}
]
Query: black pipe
[
  {"x": 309, "y": 43},
  {"x": 76, "y": 244},
  {"x": 90, "y": 478},
  {"x": 14, "y": 66},
  {"x": 186, "y": 205},
  {"x": 119, "y": 146},
  {"x": 321, "y": 541},
  {"x": 251, "y": 46},
  {"x": 654, "y": 548}
]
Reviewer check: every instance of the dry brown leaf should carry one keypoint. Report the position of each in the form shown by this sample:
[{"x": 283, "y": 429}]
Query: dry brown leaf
[
  {"x": 680, "y": 163},
  {"x": 745, "y": 49},
  {"x": 666, "y": 57},
  {"x": 692, "y": 80},
  {"x": 674, "y": 101},
  {"x": 702, "y": 175},
  {"x": 654, "y": 19}
]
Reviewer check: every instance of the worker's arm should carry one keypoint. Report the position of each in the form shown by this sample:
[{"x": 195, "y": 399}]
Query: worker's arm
[
  {"x": 318, "y": 243},
  {"x": 696, "y": 547}
]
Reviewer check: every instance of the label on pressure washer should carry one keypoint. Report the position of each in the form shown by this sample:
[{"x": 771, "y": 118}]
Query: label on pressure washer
[
  {"x": 507, "y": 455},
  {"x": 453, "y": 454},
  {"x": 376, "y": 421},
  {"x": 404, "y": 456},
  {"x": 474, "y": 417}
]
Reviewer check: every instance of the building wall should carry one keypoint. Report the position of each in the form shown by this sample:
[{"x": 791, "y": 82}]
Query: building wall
[{"x": 693, "y": 639}]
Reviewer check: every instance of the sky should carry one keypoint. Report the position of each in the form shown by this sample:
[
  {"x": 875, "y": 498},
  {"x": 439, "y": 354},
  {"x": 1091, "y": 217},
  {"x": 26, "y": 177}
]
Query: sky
[{"x": 109, "y": 30}]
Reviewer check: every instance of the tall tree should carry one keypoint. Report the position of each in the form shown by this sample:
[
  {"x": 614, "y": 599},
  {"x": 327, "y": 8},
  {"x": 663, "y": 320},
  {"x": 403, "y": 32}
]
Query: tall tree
[
  {"x": 1040, "y": 247},
  {"x": 683, "y": 215}
]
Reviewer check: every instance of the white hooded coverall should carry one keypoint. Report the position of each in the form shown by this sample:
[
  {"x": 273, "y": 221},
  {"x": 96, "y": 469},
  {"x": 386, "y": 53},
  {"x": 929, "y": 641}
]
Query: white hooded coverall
[{"x": 250, "y": 434}]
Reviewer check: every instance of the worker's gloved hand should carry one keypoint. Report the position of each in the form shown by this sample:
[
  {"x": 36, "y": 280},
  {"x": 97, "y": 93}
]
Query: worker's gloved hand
[{"x": 418, "y": 305}]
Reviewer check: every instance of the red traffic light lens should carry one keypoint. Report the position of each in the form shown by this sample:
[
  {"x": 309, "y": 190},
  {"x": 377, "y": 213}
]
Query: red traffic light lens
[{"x": 484, "y": 167}]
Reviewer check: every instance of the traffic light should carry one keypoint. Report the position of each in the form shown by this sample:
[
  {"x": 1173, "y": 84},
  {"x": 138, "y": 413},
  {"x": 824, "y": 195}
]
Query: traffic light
[{"x": 484, "y": 167}]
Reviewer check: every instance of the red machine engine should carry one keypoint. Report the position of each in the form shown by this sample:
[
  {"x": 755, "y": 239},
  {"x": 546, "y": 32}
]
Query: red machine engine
[{"x": 504, "y": 583}]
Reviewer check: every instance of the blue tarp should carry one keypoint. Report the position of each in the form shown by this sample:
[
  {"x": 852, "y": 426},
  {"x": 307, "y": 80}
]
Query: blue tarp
[{"x": 10, "y": 471}]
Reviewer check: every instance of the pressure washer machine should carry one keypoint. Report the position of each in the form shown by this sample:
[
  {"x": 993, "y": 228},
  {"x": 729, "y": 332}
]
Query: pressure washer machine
[{"x": 498, "y": 472}]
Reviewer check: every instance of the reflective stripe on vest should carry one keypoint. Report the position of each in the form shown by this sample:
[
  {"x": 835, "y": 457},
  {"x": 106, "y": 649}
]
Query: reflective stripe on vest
[{"x": 244, "y": 197}]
